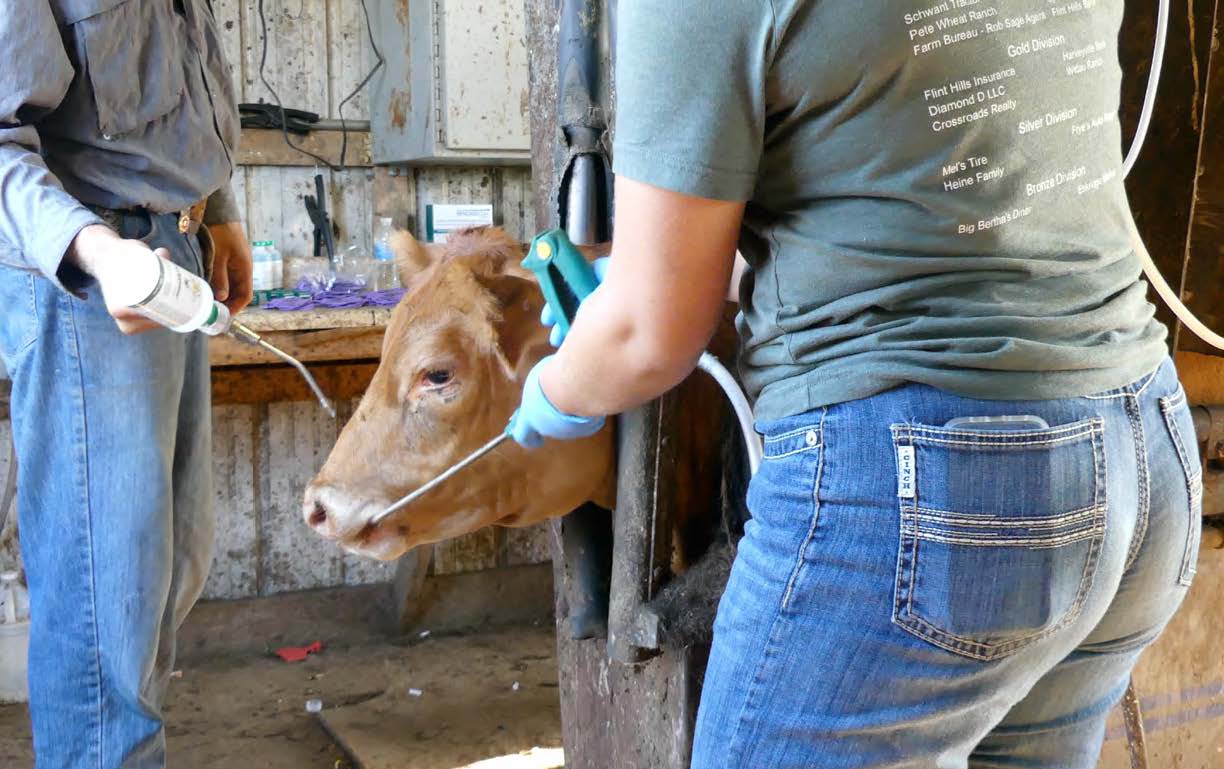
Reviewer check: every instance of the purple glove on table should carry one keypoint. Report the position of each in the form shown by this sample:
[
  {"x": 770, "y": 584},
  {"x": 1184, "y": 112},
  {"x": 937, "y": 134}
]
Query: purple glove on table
[{"x": 334, "y": 299}]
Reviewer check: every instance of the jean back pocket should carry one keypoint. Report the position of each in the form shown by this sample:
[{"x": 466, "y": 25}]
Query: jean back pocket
[{"x": 1000, "y": 532}]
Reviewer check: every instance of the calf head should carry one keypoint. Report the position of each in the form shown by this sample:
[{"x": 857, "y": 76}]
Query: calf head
[{"x": 457, "y": 350}]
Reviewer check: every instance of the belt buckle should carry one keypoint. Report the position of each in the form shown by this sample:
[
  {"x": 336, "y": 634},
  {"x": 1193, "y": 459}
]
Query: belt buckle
[{"x": 184, "y": 222}]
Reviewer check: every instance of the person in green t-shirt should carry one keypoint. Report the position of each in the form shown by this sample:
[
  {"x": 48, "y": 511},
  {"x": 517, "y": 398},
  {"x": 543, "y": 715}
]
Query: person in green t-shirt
[{"x": 980, "y": 500}]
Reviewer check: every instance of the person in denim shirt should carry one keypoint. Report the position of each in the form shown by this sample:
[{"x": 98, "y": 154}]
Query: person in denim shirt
[
  {"x": 980, "y": 498},
  {"x": 118, "y": 125}
]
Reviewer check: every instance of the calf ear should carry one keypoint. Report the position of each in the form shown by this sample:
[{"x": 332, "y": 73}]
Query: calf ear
[
  {"x": 520, "y": 336},
  {"x": 411, "y": 256}
]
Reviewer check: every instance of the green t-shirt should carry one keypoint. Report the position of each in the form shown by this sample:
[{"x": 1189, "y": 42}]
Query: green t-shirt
[{"x": 933, "y": 189}]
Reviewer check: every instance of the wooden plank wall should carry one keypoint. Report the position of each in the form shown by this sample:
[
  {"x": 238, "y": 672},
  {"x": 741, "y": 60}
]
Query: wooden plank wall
[
  {"x": 265, "y": 453},
  {"x": 317, "y": 52}
]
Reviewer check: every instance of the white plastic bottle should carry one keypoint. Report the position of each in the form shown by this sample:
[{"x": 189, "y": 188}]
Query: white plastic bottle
[
  {"x": 386, "y": 274},
  {"x": 260, "y": 275},
  {"x": 177, "y": 299}
]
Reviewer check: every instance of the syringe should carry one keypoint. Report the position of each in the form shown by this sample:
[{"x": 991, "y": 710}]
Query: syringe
[{"x": 182, "y": 301}]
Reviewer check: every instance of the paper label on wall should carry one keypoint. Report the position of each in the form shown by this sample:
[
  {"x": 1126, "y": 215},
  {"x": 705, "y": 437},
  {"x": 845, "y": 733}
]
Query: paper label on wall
[
  {"x": 905, "y": 472},
  {"x": 442, "y": 219}
]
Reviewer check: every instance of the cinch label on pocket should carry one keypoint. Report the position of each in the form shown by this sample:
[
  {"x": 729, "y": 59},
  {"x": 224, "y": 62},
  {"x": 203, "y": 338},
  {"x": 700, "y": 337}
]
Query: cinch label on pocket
[{"x": 905, "y": 472}]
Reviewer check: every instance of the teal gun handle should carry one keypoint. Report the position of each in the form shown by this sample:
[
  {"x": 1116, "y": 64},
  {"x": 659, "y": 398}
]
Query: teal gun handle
[{"x": 564, "y": 275}]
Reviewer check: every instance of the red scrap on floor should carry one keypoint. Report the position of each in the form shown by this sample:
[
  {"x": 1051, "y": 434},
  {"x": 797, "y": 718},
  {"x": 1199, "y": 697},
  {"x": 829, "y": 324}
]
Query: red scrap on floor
[{"x": 298, "y": 653}]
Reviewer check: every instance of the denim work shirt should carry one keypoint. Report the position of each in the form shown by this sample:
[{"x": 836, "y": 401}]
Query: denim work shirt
[{"x": 111, "y": 103}]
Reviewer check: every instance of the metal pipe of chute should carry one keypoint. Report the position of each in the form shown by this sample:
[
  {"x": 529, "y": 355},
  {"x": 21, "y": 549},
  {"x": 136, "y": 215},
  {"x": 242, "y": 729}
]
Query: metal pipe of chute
[
  {"x": 611, "y": 564},
  {"x": 584, "y": 214},
  {"x": 640, "y": 546}
]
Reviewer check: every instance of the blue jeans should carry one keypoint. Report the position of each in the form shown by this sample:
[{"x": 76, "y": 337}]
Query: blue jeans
[
  {"x": 114, "y": 501},
  {"x": 911, "y": 595}
]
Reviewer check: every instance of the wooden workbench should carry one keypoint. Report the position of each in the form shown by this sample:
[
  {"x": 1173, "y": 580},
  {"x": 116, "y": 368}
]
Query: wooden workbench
[
  {"x": 341, "y": 348},
  {"x": 308, "y": 335}
]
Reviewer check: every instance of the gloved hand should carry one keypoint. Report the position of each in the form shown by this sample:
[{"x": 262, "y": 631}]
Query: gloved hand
[
  {"x": 557, "y": 336},
  {"x": 537, "y": 419}
]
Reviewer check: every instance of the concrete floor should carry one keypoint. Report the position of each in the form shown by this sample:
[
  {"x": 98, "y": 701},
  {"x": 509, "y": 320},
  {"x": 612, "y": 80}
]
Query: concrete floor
[{"x": 248, "y": 710}]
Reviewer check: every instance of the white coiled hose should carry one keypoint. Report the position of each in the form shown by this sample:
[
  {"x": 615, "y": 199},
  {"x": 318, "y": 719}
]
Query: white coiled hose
[
  {"x": 1166, "y": 292},
  {"x": 739, "y": 402}
]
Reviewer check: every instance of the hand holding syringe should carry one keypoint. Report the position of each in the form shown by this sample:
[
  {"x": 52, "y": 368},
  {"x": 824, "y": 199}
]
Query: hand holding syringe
[{"x": 142, "y": 282}]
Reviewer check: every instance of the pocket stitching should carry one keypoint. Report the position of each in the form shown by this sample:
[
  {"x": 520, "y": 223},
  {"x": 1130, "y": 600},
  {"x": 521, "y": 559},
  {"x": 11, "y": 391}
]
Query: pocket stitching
[
  {"x": 919, "y": 627},
  {"x": 811, "y": 532},
  {"x": 32, "y": 295},
  {"x": 972, "y": 519},
  {"x": 1077, "y": 427},
  {"x": 994, "y": 442},
  {"x": 773, "y": 440},
  {"x": 1194, "y": 481},
  {"x": 793, "y": 452}
]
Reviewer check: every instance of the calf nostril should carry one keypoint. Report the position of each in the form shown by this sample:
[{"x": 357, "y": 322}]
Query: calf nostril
[
  {"x": 318, "y": 515},
  {"x": 366, "y": 532}
]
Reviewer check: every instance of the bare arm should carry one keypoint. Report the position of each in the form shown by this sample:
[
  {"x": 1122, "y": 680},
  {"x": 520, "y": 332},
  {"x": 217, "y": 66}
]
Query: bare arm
[{"x": 642, "y": 331}]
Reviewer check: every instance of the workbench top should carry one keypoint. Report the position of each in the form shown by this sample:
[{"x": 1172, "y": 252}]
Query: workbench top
[
  {"x": 309, "y": 335},
  {"x": 314, "y": 320}
]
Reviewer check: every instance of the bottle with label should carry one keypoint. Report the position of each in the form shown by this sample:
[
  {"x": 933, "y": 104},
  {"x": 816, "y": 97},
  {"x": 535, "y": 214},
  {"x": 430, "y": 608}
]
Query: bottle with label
[
  {"x": 177, "y": 299},
  {"x": 386, "y": 272},
  {"x": 259, "y": 274}
]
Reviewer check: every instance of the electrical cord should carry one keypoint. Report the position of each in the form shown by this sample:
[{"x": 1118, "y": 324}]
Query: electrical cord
[
  {"x": 369, "y": 75},
  {"x": 263, "y": 58}
]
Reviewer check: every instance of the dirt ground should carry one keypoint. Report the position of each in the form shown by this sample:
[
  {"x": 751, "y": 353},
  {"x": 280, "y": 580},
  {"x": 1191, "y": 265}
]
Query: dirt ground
[{"x": 249, "y": 710}]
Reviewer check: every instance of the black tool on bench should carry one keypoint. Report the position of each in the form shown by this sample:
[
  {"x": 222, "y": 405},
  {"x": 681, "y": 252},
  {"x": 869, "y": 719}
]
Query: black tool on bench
[
  {"x": 316, "y": 207},
  {"x": 296, "y": 121}
]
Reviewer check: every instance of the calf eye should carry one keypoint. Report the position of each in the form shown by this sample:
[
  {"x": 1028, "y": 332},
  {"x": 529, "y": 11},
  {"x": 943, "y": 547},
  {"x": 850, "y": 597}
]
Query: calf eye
[{"x": 438, "y": 377}]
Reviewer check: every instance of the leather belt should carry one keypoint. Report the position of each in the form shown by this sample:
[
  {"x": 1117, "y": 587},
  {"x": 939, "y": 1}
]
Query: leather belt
[
  {"x": 189, "y": 219},
  {"x": 192, "y": 217}
]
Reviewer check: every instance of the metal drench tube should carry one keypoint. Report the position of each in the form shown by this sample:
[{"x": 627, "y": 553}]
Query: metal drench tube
[{"x": 247, "y": 336}]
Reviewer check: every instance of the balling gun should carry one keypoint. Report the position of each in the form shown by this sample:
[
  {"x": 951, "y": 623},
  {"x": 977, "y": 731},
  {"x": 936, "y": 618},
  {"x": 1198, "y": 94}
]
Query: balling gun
[{"x": 565, "y": 280}]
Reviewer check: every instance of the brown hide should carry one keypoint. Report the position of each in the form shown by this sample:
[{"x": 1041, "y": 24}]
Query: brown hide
[{"x": 456, "y": 353}]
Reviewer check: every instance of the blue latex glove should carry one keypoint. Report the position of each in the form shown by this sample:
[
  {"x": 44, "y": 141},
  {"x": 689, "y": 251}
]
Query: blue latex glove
[
  {"x": 557, "y": 336},
  {"x": 537, "y": 419}
]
